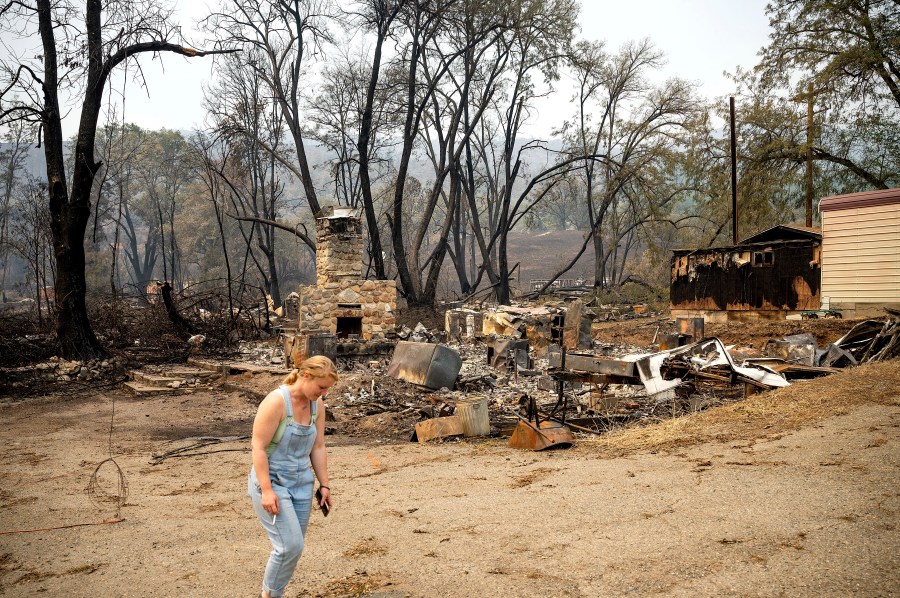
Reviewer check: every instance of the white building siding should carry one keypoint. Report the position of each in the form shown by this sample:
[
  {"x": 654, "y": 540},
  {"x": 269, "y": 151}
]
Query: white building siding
[{"x": 861, "y": 250}]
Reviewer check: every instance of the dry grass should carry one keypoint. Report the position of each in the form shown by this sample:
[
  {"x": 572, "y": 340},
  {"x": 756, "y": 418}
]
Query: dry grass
[
  {"x": 369, "y": 546},
  {"x": 360, "y": 584},
  {"x": 763, "y": 415}
]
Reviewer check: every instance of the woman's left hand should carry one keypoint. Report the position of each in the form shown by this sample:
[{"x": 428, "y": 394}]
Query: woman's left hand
[{"x": 326, "y": 496}]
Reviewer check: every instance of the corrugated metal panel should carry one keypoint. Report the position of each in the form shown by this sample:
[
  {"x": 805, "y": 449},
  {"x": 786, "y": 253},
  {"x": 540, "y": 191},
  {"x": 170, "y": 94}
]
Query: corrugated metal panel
[
  {"x": 875, "y": 280},
  {"x": 880, "y": 220},
  {"x": 846, "y": 270},
  {"x": 854, "y": 296},
  {"x": 860, "y": 294},
  {"x": 884, "y": 225},
  {"x": 850, "y": 246},
  {"x": 864, "y": 263},
  {"x": 879, "y": 209},
  {"x": 870, "y": 285},
  {"x": 884, "y": 259},
  {"x": 864, "y": 270},
  {"x": 849, "y": 253},
  {"x": 876, "y": 215}
]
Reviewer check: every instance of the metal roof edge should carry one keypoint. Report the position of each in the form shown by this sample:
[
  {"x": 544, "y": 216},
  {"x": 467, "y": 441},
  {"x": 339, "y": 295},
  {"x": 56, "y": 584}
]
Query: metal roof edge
[
  {"x": 804, "y": 232},
  {"x": 863, "y": 199},
  {"x": 780, "y": 242}
]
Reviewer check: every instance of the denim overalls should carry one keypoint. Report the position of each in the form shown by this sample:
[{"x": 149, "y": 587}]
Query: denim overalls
[{"x": 292, "y": 480}]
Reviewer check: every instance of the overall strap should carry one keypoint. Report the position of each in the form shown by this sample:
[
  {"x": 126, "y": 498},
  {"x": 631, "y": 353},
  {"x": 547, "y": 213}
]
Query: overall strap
[
  {"x": 279, "y": 431},
  {"x": 313, "y": 412},
  {"x": 289, "y": 409}
]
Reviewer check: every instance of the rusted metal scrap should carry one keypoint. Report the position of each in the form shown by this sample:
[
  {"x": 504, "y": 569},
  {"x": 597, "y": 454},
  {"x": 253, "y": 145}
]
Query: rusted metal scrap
[
  {"x": 584, "y": 362},
  {"x": 662, "y": 372},
  {"x": 462, "y": 323},
  {"x": 509, "y": 354},
  {"x": 796, "y": 348},
  {"x": 867, "y": 341},
  {"x": 535, "y": 434},
  {"x": 438, "y": 427}
]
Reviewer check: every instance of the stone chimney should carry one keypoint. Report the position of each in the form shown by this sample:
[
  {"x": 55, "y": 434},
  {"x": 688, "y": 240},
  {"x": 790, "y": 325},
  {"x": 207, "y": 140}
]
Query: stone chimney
[
  {"x": 341, "y": 303},
  {"x": 339, "y": 245}
]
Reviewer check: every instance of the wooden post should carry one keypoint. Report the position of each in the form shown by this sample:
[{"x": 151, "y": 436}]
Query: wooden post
[
  {"x": 734, "y": 211},
  {"x": 809, "y": 144}
]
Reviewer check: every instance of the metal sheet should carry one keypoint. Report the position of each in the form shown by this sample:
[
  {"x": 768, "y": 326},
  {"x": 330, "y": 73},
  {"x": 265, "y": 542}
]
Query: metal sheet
[
  {"x": 439, "y": 427},
  {"x": 692, "y": 327},
  {"x": 799, "y": 348},
  {"x": 425, "y": 364},
  {"x": 549, "y": 435},
  {"x": 584, "y": 362},
  {"x": 505, "y": 354}
]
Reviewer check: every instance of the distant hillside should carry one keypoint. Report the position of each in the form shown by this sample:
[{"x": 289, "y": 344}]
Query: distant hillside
[{"x": 540, "y": 255}]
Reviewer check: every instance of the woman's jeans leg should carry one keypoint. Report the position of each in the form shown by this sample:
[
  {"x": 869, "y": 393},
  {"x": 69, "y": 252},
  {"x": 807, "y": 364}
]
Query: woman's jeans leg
[{"x": 286, "y": 536}]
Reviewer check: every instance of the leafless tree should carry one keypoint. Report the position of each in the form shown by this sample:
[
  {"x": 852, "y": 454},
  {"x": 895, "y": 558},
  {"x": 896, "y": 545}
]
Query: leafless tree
[
  {"x": 251, "y": 127},
  {"x": 636, "y": 128},
  {"x": 30, "y": 239},
  {"x": 540, "y": 34},
  {"x": 165, "y": 172},
  {"x": 12, "y": 161},
  {"x": 285, "y": 38},
  {"x": 80, "y": 46}
]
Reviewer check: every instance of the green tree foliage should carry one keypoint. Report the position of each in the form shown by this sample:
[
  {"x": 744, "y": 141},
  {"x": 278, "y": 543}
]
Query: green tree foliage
[{"x": 848, "y": 52}]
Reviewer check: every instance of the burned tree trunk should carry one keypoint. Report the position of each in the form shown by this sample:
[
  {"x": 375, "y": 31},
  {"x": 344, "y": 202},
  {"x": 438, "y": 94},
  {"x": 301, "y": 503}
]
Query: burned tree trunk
[
  {"x": 182, "y": 326},
  {"x": 73, "y": 329}
]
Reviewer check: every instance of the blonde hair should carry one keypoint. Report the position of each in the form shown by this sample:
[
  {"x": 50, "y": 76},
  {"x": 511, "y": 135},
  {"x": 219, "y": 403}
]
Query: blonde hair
[{"x": 317, "y": 366}]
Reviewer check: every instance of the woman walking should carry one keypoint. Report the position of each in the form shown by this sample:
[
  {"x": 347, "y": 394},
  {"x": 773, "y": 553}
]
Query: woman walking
[{"x": 288, "y": 446}]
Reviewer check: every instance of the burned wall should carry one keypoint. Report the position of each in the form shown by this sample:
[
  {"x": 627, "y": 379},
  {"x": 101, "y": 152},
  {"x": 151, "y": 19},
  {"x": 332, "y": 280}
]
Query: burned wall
[{"x": 783, "y": 277}]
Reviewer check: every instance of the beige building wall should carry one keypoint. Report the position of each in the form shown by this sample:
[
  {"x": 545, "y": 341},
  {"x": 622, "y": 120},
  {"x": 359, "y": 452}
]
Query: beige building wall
[{"x": 861, "y": 252}]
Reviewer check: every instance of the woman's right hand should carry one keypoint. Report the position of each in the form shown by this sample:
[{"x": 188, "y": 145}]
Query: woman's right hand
[{"x": 270, "y": 501}]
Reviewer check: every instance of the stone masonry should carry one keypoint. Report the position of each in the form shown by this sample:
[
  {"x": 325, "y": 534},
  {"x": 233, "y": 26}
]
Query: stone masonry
[{"x": 342, "y": 303}]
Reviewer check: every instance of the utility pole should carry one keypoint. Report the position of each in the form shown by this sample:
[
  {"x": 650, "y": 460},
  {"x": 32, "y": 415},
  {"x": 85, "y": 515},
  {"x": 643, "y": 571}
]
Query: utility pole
[
  {"x": 809, "y": 164},
  {"x": 734, "y": 212}
]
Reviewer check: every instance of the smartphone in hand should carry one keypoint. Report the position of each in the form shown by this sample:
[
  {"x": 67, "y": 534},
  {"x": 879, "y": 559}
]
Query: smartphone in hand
[{"x": 322, "y": 505}]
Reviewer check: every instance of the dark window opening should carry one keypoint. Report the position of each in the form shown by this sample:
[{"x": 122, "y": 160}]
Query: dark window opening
[
  {"x": 347, "y": 327},
  {"x": 349, "y": 306},
  {"x": 763, "y": 258}
]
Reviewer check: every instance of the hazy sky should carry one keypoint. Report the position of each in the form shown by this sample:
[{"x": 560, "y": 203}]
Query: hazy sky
[{"x": 701, "y": 39}]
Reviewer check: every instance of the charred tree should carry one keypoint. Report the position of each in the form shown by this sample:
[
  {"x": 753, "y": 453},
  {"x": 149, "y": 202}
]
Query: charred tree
[{"x": 138, "y": 30}]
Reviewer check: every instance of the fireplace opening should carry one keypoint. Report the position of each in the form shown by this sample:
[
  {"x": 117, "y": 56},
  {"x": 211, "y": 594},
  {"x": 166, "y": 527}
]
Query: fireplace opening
[{"x": 348, "y": 326}]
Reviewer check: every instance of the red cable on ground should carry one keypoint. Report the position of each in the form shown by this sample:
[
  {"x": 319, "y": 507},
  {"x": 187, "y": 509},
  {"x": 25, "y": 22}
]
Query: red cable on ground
[{"x": 46, "y": 529}]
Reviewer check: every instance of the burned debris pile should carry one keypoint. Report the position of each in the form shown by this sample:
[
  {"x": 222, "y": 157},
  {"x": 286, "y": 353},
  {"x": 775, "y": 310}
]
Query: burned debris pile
[
  {"x": 870, "y": 341},
  {"x": 537, "y": 375},
  {"x": 522, "y": 367}
]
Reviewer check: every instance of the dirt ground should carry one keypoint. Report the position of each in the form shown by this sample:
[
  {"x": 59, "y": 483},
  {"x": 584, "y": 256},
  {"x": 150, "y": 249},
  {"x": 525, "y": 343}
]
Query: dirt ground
[{"x": 787, "y": 493}]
